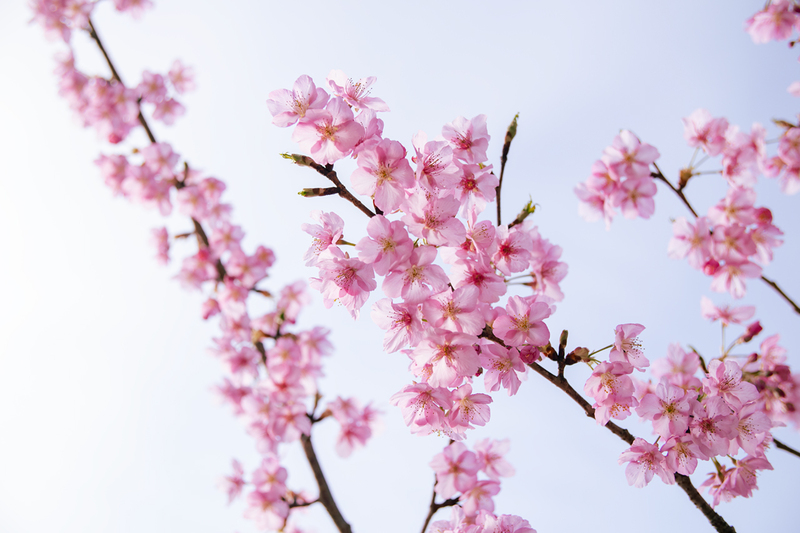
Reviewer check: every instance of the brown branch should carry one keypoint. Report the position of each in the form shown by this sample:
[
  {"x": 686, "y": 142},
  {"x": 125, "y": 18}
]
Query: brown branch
[
  {"x": 294, "y": 503},
  {"x": 783, "y": 294},
  {"x": 115, "y": 74},
  {"x": 511, "y": 132},
  {"x": 659, "y": 175},
  {"x": 202, "y": 238},
  {"x": 564, "y": 385},
  {"x": 325, "y": 496},
  {"x": 436, "y": 506},
  {"x": 328, "y": 172},
  {"x": 784, "y": 447},
  {"x": 719, "y": 523}
]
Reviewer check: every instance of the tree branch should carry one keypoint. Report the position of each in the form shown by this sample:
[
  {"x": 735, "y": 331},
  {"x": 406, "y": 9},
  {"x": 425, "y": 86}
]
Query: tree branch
[
  {"x": 115, "y": 74},
  {"x": 660, "y": 175},
  {"x": 202, "y": 238},
  {"x": 783, "y": 294},
  {"x": 436, "y": 506},
  {"x": 782, "y": 446},
  {"x": 325, "y": 496},
  {"x": 328, "y": 172}
]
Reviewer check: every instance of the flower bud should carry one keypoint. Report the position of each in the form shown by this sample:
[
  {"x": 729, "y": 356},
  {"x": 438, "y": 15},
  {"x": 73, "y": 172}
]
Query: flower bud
[
  {"x": 711, "y": 267},
  {"x": 577, "y": 355},
  {"x": 752, "y": 330}
]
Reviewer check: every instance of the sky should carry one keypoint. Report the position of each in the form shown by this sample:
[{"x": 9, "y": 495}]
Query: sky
[{"x": 107, "y": 415}]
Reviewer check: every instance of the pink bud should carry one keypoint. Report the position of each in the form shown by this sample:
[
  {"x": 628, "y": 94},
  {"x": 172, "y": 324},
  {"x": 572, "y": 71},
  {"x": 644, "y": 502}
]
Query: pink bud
[
  {"x": 710, "y": 267},
  {"x": 752, "y": 330}
]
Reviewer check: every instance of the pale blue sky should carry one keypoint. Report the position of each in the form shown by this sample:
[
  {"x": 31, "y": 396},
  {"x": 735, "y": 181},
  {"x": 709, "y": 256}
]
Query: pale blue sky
[{"x": 106, "y": 415}]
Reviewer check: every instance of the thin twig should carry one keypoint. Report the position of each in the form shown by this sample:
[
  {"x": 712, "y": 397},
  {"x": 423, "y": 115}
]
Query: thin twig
[
  {"x": 325, "y": 496},
  {"x": 511, "y": 132},
  {"x": 660, "y": 175},
  {"x": 436, "y": 506},
  {"x": 782, "y": 446},
  {"x": 783, "y": 294},
  {"x": 328, "y": 172}
]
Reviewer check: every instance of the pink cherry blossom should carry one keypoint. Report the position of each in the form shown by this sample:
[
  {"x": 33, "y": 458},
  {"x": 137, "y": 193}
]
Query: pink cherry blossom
[
  {"x": 456, "y": 470},
  {"x": 479, "y": 497},
  {"x": 628, "y": 347},
  {"x": 603, "y": 179},
  {"x": 501, "y": 367},
  {"x": 234, "y": 483},
  {"x": 644, "y": 460},
  {"x": 692, "y": 240},
  {"x": 682, "y": 454},
  {"x": 344, "y": 280},
  {"x": 481, "y": 275},
  {"x": 669, "y": 409},
  {"x": 326, "y": 234},
  {"x": 402, "y": 322},
  {"x": 384, "y": 174},
  {"x": 628, "y": 156},
  {"x": 776, "y": 22},
  {"x": 328, "y": 134},
  {"x": 469, "y": 138},
  {"x": 713, "y": 425},
  {"x": 594, "y": 204},
  {"x": 455, "y": 310},
  {"x": 387, "y": 245},
  {"x": 451, "y": 355},
  {"x": 355, "y": 93},
  {"x": 152, "y": 89},
  {"x": 181, "y": 77},
  {"x": 287, "y": 107},
  {"x": 167, "y": 110},
  {"x": 635, "y": 197},
  {"x": 468, "y": 408},
  {"x": 513, "y": 250},
  {"x": 730, "y": 277},
  {"x": 477, "y": 186},
  {"x": 160, "y": 238},
  {"x": 490, "y": 458},
  {"x": 725, "y": 379},
  {"x": 423, "y": 407},
  {"x": 727, "y": 315},
  {"x": 434, "y": 219},
  {"x": 435, "y": 167},
  {"x": 523, "y": 323},
  {"x": 418, "y": 278},
  {"x": 704, "y": 131}
]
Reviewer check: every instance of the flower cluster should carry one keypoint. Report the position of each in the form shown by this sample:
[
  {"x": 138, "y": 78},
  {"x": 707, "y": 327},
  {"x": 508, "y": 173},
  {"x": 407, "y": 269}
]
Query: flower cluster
[
  {"x": 272, "y": 368},
  {"x": 620, "y": 179},
  {"x": 776, "y": 22},
  {"x": 457, "y": 470},
  {"x": 736, "y": 238},
  {"x": 730, "y": 408},
  {"x": 444, "y": 269},
  {"x": 105, "y": 104}
]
